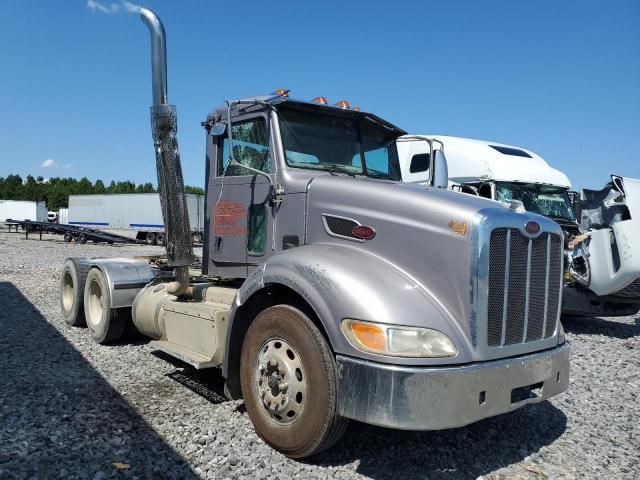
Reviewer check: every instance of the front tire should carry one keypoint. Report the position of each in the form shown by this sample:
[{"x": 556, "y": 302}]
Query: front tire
[
  {"x": 288, "y": 381},
  {"x": 106, "y": 324}
]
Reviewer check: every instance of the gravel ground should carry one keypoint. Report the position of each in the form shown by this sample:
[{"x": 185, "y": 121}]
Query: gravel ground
[{"x": 71, "y": 409}]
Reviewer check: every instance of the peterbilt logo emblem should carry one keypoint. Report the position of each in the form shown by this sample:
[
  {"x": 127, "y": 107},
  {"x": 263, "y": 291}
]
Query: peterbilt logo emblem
[
  {"x": 532, "y": 227},
  {"x": 363, "y": 232}
]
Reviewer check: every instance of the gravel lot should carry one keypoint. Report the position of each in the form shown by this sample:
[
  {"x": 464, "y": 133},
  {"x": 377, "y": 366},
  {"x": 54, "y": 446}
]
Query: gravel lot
[{"x": 70, "y": 408}]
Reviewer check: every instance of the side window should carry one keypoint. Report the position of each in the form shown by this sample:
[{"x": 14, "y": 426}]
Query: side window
[
  {"x": 250, "y": 148},
  {"x": 257, "y": 229},
  {"x": 419, "y": 163},
  {"x": 377, "y": 160}
]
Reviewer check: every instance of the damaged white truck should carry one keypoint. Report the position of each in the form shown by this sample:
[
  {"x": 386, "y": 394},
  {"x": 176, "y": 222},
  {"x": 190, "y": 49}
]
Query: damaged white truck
[
  {"x": 601, "y": 228},
  {"x": 329, "y": 289}
]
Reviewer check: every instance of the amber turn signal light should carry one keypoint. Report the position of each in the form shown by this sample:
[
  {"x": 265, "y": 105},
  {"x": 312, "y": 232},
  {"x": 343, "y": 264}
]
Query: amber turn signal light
[
  {"x": 370, "y": 336},
  {"x": 281, "y": 91}
]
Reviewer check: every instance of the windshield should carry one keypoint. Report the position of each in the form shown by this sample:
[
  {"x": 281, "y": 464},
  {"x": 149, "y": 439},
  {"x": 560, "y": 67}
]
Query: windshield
[
  {"x": 543, "y": 199},
  {"x": 338, "y": 144}
]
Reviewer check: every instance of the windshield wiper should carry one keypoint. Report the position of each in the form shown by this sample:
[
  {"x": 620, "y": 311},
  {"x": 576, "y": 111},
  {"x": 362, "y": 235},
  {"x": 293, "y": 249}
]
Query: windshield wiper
[
  {"x": 333, "y": 169},
  {"x": 561, "y": 217}
]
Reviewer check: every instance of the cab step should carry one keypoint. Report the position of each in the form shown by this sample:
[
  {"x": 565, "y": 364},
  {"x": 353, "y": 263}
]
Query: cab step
[{"x": 195, "y": 359}]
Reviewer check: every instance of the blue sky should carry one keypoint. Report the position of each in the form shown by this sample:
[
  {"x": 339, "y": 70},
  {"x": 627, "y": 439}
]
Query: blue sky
[{"x": 560, "y": 78}]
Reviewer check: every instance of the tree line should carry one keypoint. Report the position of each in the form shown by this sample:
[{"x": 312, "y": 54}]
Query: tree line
[{"x": 55, "y": 191}]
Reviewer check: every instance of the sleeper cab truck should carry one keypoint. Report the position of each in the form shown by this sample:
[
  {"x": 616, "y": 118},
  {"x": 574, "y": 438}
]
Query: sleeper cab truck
[
  {"x": 330, "y": 290},
  {"x": 601, "y": 249}
]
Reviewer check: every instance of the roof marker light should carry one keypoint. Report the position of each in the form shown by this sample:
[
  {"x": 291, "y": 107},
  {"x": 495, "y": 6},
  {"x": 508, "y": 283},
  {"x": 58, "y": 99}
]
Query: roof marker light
[
  {"x": 342, "y": 104},
  {"x": 281, "y": 91},
  {"x": 322, "y": 100},
  {"x": 356, "y": 109}
]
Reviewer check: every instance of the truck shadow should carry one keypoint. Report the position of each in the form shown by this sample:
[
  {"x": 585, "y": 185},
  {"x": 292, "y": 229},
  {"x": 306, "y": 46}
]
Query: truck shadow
[
  {"x": 496, "y": 443},
  {"x": 59, "y": 416},
  {"x": 208, "y": 383},
  {"x": 622, "y": 328}
]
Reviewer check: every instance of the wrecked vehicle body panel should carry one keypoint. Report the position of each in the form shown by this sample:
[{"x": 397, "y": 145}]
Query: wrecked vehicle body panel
[
  {"x": 601, "y": 237},
  {"x": 607, "y": 259}
]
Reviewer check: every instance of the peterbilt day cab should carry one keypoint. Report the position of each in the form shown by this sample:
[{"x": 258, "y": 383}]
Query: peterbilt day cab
[
  {"x": 329, "y": 289},
  {"x": 601, "y": 228}
]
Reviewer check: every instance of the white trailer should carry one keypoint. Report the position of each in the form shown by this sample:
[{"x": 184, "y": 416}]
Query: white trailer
[
  {"x": 63, "y": 216},
  {"x": 136, "y": 212},
  {"x": 23, "y": 210}
]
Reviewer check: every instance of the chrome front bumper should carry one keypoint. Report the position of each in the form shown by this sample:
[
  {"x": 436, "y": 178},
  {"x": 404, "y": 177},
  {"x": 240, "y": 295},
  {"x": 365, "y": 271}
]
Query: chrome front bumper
[{"x": 413, "y": 398}]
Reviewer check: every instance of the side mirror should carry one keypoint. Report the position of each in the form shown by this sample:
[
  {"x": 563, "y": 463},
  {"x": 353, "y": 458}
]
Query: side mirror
[
  {"x": 218, "y": 129},
  {"x": 576, "y": 204},
  {"x": 439, "y": 170}
]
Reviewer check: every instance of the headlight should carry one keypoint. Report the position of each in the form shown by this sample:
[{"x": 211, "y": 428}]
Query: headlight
[{"x": 397, "y": 341}]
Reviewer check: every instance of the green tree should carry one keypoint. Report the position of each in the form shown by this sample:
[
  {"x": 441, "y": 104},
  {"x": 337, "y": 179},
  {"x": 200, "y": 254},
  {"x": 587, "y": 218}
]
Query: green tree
[
  {"x": 192, "y": 189},
  {"x": 98, "y": 187}
]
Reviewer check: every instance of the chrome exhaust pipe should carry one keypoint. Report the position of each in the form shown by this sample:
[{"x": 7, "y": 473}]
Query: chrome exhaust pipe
[
  {"x": 158, "y": 56},
  {"x": 164, "y": 128}
]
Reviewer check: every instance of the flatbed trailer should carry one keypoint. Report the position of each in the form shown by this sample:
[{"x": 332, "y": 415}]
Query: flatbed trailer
[{"x": 69, "y": 232}]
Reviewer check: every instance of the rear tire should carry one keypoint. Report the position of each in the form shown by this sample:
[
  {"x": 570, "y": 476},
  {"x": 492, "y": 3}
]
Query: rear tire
[
  {"x": 150, "y": 238},
  {"x": 160, "y": 238},
  {"x": 82, "y": 238},
  {"x": 105, "y": 324},
  {"x": 288, "y": 381},
  {"x": 72, "y": 282}
]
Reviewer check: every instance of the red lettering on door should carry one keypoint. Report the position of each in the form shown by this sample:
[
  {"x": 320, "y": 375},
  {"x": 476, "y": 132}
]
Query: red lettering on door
[{"x": 226, "y": 217}]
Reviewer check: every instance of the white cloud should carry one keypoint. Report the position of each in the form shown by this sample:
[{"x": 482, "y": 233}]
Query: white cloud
[
  {"x": 113, "y": 7},
  {"x": 131, "y": 7},
  {"x": 51, "y": 163},
  {"x": 96, "y": 6}
]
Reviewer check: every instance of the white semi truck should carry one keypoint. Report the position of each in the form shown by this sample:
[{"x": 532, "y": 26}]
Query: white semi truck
[
  {"x": 139, "y": 213},
  {"x": 602, "y": 232},
  {"x": 329, "y": 290}
]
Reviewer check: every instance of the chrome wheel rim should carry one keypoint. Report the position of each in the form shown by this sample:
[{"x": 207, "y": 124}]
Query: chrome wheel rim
[
  {"x": 280, "y": 380},
  {"x": 94, "y": 308},
  {"x": 67, "y": 291}
]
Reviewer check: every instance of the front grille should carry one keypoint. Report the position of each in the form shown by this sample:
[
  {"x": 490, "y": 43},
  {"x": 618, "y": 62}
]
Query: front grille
[{"x": 524, "y": 287}]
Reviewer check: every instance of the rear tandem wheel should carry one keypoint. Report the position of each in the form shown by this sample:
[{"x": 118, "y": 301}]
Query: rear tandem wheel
[{"x": 106, "y": 324}]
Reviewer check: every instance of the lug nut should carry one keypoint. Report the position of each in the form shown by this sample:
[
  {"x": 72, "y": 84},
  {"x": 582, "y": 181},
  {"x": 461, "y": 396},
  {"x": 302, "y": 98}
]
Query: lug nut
[{"x": 283, "y": 387}]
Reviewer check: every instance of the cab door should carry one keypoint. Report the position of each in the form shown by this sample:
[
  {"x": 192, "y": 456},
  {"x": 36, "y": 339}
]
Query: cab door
[{"x": 241, "y": 220}]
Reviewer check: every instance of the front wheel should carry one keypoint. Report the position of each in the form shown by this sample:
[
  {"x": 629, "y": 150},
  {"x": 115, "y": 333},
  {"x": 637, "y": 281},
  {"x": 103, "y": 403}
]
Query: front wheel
[{"x": 288, "y": 381}]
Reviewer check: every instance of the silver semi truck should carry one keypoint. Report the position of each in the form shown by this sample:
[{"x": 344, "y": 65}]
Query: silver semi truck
[
  {"x": 139, "y": 213},
  {"x": 330, "y": 290}
]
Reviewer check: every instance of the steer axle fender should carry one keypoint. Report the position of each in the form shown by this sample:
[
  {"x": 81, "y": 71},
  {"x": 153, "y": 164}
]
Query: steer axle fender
[{"x": 339, "y": 282}]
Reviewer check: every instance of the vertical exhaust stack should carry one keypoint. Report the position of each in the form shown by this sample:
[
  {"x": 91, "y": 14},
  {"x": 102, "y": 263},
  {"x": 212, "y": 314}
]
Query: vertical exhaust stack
[{"x": 170, "y": 181}]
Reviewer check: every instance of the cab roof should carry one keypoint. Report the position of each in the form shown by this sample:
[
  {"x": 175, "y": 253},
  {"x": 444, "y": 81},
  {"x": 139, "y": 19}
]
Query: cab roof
[
  {"x": 249, "y": 104},
  {"x": 471, "y": 160}
]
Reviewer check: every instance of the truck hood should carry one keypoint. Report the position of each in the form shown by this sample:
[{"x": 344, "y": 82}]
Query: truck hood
[{"x": 422, "y": 232}]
